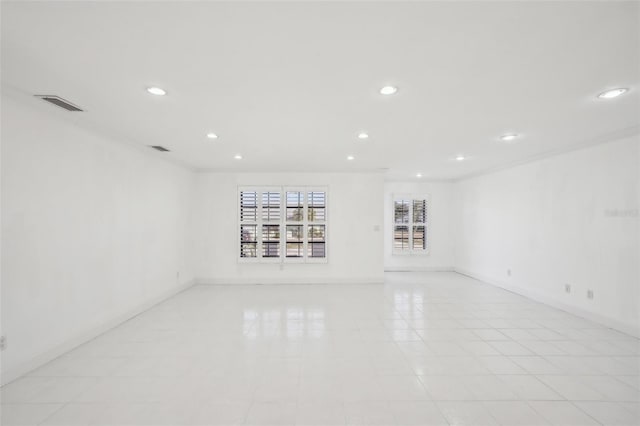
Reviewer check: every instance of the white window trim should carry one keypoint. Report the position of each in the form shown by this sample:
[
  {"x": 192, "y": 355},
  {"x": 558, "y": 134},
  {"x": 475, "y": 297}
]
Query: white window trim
[
  {"x": 427, "y": 225},
  {"x": 283, "y": 225}
]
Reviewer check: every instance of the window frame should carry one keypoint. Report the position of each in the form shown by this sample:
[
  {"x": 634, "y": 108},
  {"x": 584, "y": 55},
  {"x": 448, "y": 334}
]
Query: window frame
[
  {"x": 411, "y": 251},
  {"x": 283, "y": 222}
]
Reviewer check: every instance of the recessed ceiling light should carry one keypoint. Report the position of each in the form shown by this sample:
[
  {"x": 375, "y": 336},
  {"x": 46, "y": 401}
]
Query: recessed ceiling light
[
  {"x": 363, "y": 135},
  {"x": 418, "y": 175},
  {"x": 350, "y": 157},
  {"x": 156, "y": 91},
  {"x": 460, "y": 158},
  {"x": 212, "y": 136},
  {"x": 613, "y": 93},
  {"x": 509, "y": 137},
  {"x": 238, "y": 157},
  {"x": 388, "y": 90}
]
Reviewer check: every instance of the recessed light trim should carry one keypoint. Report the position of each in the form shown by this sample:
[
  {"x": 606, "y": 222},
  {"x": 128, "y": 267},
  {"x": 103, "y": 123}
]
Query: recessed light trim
[
  {"x": 613, "y": 93},
  {"x": 363, "y": 135},
  {"x": 350, "y": 157},
  {"x": 212, "y": 135},
  {"x": 238, "y": 157},
  {"x": 156, "y": 91},
  {"x": 388, "y": 90},
  {"x": 460, "y": 158},
  {"x": 508, "y": 137}
]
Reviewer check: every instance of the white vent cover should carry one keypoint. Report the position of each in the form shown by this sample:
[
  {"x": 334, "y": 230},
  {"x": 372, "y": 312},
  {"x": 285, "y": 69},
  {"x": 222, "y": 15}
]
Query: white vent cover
[{"x": 58, "y": 101}]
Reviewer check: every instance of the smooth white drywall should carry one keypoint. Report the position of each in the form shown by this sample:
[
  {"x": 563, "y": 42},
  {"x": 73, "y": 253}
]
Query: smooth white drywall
[
  {"x": 92, "y": 230},
  {"x": 440, "y": 254},
  {"x": 354, "y": 232},
  {"x": 569, "y": 219}
]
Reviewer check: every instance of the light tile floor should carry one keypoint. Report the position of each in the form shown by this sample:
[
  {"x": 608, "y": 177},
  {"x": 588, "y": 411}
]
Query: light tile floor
[{"x": 423, "y": 349}]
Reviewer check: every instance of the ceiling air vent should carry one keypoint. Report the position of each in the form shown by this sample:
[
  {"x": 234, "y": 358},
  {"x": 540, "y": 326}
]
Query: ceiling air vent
[
  {"x": 58, "y": 101},
  {"x": 160, "y": 148}
]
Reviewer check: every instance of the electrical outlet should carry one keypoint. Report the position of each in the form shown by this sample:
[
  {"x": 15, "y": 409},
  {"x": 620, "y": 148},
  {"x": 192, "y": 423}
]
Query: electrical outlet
[
  {"x": 567, "y": 288},
  {"x": 3, "y": 343},
  {"x": 589, "y": 294},
  {"x": 508, "y": 272}
]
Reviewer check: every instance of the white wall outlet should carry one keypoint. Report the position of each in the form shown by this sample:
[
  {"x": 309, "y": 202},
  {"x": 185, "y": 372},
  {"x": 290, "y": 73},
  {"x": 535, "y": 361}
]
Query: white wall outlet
[
  {"x": 589, "y": 294},
  {"x": 567, "y": 288},
  {"x": 3, "y": 343},
  {"x": 508, "y": 272}
]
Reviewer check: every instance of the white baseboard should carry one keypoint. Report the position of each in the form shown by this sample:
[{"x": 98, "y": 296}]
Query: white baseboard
[
  {"x": 288, "y": 281},
  {"x": 418, "y": 269},
  {"x": 631, "y": 329},
  {"x": 90, "y": 334}
]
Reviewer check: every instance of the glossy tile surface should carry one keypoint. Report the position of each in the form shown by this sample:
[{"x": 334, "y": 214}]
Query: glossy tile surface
[{"x": 422, "y": 349}]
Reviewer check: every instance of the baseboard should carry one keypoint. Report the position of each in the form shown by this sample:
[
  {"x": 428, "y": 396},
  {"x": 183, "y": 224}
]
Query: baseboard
[
  {"x": 53, "y": 353},
  {"x": 418, "y": 269},
  {"x": 630, "y": 329},
  {"x": 288, "y": 281}
]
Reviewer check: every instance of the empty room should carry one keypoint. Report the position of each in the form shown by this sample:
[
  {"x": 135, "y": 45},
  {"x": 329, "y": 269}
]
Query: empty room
[{"x": 320, "y": 213}]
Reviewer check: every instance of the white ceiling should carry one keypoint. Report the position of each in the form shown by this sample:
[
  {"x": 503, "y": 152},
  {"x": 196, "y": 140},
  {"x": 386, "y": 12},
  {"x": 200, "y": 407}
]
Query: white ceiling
[{"x": 289, "y": 85}]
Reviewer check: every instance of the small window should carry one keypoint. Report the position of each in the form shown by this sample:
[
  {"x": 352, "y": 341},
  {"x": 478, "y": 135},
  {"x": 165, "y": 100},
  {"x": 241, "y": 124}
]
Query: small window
[{"x": 410, "y": 224}]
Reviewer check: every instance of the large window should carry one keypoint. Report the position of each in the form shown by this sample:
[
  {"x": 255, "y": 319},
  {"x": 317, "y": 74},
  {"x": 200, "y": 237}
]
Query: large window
[
  {"x": 279, "y": 224},
  {"x": 410, "y": 224}
]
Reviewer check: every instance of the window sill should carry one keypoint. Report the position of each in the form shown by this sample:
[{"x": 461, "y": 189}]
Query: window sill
[{"x": 414, "y": 253}]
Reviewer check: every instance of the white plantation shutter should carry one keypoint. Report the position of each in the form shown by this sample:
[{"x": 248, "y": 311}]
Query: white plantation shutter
[
  {"x": 419, "y": 211},
  {"x": 419, "y": 220},
  {"x": 283, "y": 224},
  {"x": 410, "y": 224},
  {"x": 248, "y": 241},
  {"x": 295, "y": 232},
  {"x": 248, "y": 206},
  {"x": 316, "y": 216},
  {"x": 271, "y": 206},
  {"x": 400, "y": 227},
  {"x": 316, "y": 244},
  {"x": 248, "y": 224},
  {"x": 316, "y": 206}
]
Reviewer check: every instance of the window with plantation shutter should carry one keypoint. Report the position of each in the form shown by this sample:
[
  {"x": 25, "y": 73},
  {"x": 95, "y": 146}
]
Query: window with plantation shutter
[
  {"x": 248, "y": 224},
  {"x": 410, "y": 214},
  {"x": 280, "y": 224},
  {"x": 316, "y": 205}
]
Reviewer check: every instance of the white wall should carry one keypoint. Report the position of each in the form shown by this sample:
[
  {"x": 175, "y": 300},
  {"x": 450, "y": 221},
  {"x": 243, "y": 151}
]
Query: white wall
[
  {"x": 571, "y": 218},
  {"x": 354, "y": 243},
  {"x": 92, "y": 230},
  {"x": 440, "y": 256}
]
